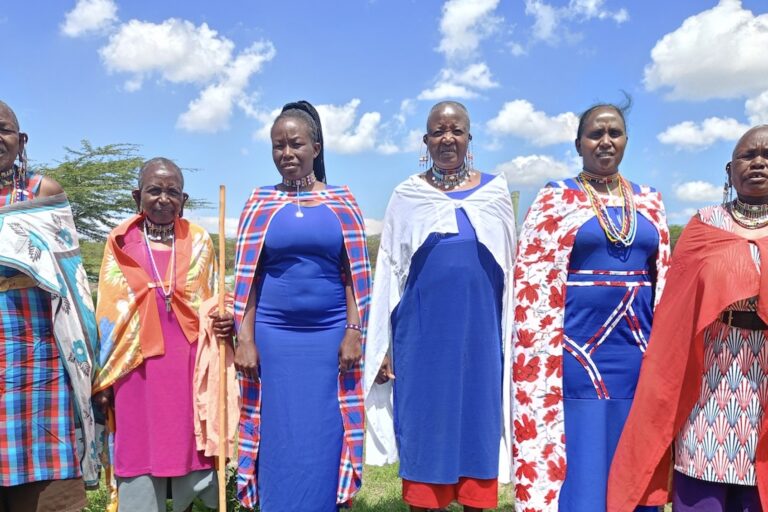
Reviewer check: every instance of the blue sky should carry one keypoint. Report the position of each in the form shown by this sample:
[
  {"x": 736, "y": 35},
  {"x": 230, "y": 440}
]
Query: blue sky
[{"x": 199, "y": 82}]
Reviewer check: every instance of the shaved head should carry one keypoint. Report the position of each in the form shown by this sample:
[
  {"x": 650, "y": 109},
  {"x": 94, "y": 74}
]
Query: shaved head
[
  {"x": 11, "y": 113},
  {"x": 443, "y": 105},
  {"x": 156, "y": 163}
]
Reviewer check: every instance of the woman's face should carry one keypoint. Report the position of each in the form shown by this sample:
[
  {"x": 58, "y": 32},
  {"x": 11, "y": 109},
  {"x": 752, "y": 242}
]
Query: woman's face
[
  {"x": 161, "y": 197},
  {"x": 292, "y": 148},
  {"x": 447, "y": 137},
  {"x": 749, "y": 165},
  {"x": 601, "y": 145},
  {"x": 11, "y": 141}
]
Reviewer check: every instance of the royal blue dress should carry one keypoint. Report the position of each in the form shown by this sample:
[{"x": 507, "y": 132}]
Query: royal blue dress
[
  {"x": 447, "y": 357},
  {"x": 608, "y": 314},
  {"x": 300, "y": 319}
]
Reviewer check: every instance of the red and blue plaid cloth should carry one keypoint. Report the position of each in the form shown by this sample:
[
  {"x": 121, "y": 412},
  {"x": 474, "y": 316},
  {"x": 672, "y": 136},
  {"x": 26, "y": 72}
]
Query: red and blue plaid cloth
[
  {"x": 254, "y": 223},
  {"x": 37, "y": 426}
]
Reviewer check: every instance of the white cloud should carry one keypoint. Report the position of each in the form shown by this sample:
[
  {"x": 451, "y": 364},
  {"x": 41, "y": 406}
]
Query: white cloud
[
  {"x": 757, "y": 109},
  {"x": 681, "y": 217},
  {"x": 211, "y": 224},
  {"x": 689, "y": 135},
  {"x": 89, "y": 16},
  {"x": 549, "y": 20},
  {"x": 210, "y": 112},
  {"x": 698, "y": 192},
  {"x": 180, "y": 52},
  {"x": 373, "y": 226},
  {"x": 464, "y": 24},
  {"x": 175, "y": 49},
  {"x": 343, "y": 131},
  {"x": 460, "y": 83},
  {"x": 519, "y": 118},
  {"x": 714, "y": 54},
  {"x": 534, "y": 170}
]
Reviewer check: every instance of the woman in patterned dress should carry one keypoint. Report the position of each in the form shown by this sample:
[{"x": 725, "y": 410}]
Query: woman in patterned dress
[
  {"x": 40, "y": 466},
  {"x": 589, "y": 269},
  {"x": 704, "y": 385}
]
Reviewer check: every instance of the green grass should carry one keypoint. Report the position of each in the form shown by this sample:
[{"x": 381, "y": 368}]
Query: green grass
[{"x": 380, "y": 493}]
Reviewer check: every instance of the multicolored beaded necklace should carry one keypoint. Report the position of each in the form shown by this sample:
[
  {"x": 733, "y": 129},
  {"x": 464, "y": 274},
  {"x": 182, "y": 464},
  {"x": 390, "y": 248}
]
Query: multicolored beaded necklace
[
  {"x": 159, "y": 232},
  {"x": 749, "y": 216},
  {"x": 306, "y": 181},
  {"x": 625, "y": 234},
  {"x": 446, "y": 181},
  {"x": 15, "y": 179}
]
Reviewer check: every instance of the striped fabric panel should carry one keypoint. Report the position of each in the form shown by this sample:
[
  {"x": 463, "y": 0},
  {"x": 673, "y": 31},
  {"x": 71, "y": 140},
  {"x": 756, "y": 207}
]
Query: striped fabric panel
[{"x": 254, "y": 222}]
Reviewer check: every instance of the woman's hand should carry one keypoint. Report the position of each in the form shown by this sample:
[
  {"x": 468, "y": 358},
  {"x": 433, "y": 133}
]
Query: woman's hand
[
  {"x": 247, "y": 358},
  {"x": 103, "y": 399},
  {"x": 385, "y": 371},
  {"x": 350, "y": 350},
  {"x": 223, "y": 325}
]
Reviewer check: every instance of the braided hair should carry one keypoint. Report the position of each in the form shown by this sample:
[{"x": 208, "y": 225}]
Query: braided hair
[{"x": 304, "y": 111}]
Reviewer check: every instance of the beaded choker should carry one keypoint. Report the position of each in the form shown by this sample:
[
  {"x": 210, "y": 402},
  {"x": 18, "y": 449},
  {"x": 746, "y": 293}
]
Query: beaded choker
[
  {"x": 596, "y": 178},
  {"x": 158, "y": 232},
  {"x": 445, "y": 181},
  {"x": 625, "y": 234},
  {"x": 750, "y": 216},
  {"x": 306, "y": 181}
]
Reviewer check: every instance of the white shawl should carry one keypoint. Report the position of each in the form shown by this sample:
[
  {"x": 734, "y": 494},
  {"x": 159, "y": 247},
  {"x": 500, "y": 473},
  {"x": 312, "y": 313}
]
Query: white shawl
[{"x": 415, "y": 210}]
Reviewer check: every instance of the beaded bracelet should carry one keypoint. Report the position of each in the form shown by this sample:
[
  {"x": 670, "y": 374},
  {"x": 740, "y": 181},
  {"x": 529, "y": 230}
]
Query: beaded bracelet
[{"x": 354, "y": 327}]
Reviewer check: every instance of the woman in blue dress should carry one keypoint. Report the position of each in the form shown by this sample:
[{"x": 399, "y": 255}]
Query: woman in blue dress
[
  {"x": 440, "y": 323},
  {"x": 592, "y": 259},
  {"x": 301, "y": 289}
]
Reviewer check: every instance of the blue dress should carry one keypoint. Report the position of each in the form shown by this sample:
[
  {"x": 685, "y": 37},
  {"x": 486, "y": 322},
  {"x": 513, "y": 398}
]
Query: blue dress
[
  {"x": 608, "y": 314},
  {"x": 300, "y": 319},
  {"x": 447, "y": 357}
]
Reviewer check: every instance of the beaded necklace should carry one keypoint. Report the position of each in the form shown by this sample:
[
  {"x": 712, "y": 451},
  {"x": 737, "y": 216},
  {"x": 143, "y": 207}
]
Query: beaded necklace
[
  {"x": 625, "y": 234},
  {"x": 749, "y": 216},
  {"x": 167, "y": 295},
  {"x": 158, "y": 232},
  {"x": 15, "y": 179},
  {"x": 306, "y": 181},
  {"x": 446, "y": 181}
]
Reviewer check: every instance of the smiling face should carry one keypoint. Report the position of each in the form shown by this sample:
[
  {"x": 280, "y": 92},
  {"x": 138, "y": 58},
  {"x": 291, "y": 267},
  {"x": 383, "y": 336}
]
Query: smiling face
[
  {"x": 11, "y": 141},
  {"x": 602, "y": 142},
  {"x": 749, "y": 166},
  {"x": 161, "y": 197},
  {"x": 447, "y": 137},
  {"x": 293, "y": 150}
]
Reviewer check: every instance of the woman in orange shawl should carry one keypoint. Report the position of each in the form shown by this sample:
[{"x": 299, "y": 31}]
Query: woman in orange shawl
[{"x": 704, "y": 382}]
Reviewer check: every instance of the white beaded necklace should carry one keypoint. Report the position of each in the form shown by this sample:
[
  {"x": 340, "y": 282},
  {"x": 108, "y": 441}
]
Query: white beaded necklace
[{"x": 167, "y": 295}]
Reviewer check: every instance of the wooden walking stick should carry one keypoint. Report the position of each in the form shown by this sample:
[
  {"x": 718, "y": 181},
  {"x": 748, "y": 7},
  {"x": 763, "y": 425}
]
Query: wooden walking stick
[{"x": 223, "y": 438}]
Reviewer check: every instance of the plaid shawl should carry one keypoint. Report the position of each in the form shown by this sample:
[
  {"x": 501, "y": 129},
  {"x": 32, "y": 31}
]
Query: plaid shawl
[
  {"x": 254, "y": 223},
  {"x": 127, "y": 313},
  {"x": 38, "y": 238}
]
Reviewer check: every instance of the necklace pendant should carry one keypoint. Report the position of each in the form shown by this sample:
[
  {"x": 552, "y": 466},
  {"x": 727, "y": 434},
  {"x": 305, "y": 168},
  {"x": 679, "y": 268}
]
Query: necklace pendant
[
  {"x": 299, "y": 214},
  {"x": 167, "y": 304}
]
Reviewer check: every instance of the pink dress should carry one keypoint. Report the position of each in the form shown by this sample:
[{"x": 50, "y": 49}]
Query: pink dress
[{"x": 153, "y": 404}]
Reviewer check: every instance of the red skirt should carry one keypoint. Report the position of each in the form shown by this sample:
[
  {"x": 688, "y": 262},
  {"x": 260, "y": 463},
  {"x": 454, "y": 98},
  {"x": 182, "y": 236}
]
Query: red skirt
[{"x": 471, "y": 492}]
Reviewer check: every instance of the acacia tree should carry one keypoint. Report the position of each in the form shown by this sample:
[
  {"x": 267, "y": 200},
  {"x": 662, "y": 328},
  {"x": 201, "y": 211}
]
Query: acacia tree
[{"x": 98, "y": 181}]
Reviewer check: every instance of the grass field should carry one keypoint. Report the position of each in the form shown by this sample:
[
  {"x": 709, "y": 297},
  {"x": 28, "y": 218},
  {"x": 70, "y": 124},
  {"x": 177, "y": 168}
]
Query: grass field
[{"x": 380, "y": 493}]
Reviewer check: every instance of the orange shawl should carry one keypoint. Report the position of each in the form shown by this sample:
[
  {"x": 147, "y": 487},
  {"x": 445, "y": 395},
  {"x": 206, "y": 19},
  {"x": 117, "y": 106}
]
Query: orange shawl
[{"x": 711, "y": 269}]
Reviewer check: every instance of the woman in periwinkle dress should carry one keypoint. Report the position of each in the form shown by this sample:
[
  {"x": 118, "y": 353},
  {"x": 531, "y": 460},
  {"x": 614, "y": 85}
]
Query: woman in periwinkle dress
[{"x": 301, "y": 296}]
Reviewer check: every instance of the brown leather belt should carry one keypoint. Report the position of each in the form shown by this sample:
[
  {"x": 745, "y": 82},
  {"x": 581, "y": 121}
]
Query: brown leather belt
[{"x": 743, "y": 320}]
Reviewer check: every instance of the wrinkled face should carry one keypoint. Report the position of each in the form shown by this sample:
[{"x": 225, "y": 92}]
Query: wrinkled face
[
  {"x": 11, "y": 141},
  {"x": 292, "y": 148},
  {"x": 161, "y": 197},
  {"x": 601, "y": 145},
  {"x": 447, "y": 137},
  {"x": 749, "y": 164}
]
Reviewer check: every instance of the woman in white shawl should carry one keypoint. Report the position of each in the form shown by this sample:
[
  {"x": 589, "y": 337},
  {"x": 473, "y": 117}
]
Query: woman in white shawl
[{"x": 440, "y": 321}]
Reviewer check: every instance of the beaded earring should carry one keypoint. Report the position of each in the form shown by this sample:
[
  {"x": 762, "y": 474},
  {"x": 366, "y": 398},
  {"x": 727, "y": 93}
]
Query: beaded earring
[
  {"x": 727, "y": 186},
  {"x": 425, "y": 159},
  {"x": 469, "y": 159}
]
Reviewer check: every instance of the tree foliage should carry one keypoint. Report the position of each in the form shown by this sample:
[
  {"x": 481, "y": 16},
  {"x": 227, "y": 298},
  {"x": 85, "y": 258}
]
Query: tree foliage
[{"x": 98, "y": 181}]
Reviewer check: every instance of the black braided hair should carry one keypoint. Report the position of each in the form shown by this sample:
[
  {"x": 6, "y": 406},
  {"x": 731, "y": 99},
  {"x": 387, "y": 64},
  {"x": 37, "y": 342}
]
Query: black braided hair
[{"x": 306, "y": 112}]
